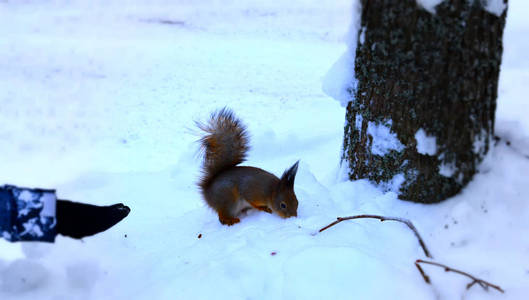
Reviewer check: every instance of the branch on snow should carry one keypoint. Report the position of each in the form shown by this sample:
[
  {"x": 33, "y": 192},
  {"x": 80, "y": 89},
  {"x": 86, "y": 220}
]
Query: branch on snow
[
  {"x": 484, "y": 284},
  {"x": 382, "y": 219}
]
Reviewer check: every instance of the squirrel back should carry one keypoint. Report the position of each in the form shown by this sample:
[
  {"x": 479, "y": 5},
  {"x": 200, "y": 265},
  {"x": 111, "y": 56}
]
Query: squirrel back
[{"x": 231, "y": 189}]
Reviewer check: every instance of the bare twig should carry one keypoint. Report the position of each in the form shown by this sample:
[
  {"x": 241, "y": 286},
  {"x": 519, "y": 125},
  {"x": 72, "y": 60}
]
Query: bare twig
[
  {"x": 423, "y": 274},
  {"x": 382, "y": 219},
  {"x": 484, "y": 284},
  {"x": 164, "y": 22}
]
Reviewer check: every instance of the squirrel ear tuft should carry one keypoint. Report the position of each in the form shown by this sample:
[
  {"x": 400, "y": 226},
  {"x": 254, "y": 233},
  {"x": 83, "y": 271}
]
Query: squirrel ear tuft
[{"x": 288, "y": 177}]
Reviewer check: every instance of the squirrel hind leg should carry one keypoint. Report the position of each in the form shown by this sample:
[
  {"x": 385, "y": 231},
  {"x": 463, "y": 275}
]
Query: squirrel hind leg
[
  {"x": 226, "y": 219},
  {"x": 224, "y": 200}
]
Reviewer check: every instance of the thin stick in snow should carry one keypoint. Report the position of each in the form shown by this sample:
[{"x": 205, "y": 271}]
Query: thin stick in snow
[
  {"x": 484, "y": 284},
  {"x": 382, "y": 219}
]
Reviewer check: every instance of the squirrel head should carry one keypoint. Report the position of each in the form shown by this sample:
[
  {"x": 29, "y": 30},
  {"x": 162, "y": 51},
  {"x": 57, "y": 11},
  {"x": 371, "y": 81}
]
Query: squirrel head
[{"x": 285, "y": 203}]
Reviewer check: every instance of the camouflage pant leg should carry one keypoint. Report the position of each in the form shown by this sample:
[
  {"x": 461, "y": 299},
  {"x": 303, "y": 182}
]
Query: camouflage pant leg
[{"x": 27, "y": 214}]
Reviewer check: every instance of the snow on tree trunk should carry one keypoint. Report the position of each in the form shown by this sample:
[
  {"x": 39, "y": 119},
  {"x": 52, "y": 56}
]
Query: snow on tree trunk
[{"x": 422, "y": 114}]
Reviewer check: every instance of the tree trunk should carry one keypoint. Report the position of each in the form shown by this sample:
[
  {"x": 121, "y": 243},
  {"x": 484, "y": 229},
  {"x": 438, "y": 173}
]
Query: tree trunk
[{"x": 422, "y": 115}]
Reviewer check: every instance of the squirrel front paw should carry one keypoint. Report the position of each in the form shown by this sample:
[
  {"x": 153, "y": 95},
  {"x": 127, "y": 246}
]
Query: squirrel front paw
[{"x": 264, "y": 208}]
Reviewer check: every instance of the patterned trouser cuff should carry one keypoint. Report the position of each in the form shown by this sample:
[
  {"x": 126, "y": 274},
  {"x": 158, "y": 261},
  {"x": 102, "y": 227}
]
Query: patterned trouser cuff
[{"x": 27, "y": 214}]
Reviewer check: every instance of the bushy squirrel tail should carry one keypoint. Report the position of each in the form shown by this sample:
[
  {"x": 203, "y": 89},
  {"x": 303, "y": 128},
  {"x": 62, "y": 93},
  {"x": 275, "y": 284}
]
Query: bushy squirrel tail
[{"x": 224, "y": 145}]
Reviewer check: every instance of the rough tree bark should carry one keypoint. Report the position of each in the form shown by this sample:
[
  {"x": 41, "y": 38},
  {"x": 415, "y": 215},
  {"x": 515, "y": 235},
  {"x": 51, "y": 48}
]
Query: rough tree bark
[{"x": 422, "y": 114}]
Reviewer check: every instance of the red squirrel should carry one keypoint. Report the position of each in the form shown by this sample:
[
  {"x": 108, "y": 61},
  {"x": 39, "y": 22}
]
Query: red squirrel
[{"x": 231, "y": 189}]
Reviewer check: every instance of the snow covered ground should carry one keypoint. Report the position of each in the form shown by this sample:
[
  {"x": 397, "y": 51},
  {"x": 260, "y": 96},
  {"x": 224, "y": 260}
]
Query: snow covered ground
[{"x": 98, "y": 99}]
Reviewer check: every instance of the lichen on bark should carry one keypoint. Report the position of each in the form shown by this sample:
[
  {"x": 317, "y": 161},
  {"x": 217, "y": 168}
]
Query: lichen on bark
[{"x": 435, "y": 72}]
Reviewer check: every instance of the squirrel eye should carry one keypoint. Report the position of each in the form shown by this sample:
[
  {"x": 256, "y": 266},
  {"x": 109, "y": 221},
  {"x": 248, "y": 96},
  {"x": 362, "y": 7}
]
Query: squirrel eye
[{"x": 283, "y": 205}]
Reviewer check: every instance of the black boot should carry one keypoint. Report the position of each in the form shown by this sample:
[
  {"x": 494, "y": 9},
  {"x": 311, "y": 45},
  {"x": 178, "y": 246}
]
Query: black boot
[{"x": 78, "y": 220}]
